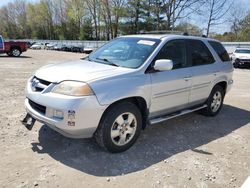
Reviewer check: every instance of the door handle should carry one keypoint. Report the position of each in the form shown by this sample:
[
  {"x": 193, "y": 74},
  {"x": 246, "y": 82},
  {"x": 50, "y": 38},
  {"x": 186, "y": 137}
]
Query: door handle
[
  {"x": 187, "y": 78},
  {"x": 216, "y": 72}
]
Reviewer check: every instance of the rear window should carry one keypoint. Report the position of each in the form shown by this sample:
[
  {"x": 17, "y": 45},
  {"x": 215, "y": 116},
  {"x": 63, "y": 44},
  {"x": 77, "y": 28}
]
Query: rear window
[{"x": 220, "y": 50}]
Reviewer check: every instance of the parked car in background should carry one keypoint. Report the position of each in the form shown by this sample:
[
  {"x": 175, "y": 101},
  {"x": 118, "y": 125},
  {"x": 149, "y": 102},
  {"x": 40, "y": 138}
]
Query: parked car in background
[
  {"x": 77, "y": 48},
  {"x": 128, "y": 83},
  {"x": 88, "y": 50},
  {"x": 241, "y": 57},
  {"x": 49, "y": 46},
  {"x": 29, "y": 43},
  {"x": 58, "y": 47},
  {"x": 37, "y": 46},
  {"x": 12, "y": 48}
]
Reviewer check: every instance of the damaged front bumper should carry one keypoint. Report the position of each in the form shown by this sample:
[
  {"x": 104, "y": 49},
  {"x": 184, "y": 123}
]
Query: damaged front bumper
[{"x": 74, "y": 117}]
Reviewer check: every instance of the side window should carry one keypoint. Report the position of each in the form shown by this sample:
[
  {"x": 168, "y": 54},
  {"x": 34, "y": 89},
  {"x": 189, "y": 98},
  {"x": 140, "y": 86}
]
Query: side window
[
  {"x": 174, "y": 50},
  {"x": 220, "y": 50},
  {"x": 199, "y": 54},
  {"x": 1, "y": 43}
]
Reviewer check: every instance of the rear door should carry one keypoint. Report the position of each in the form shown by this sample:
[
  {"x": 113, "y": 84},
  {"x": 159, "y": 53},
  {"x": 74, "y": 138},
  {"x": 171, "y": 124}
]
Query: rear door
[
  {"x": 1, "y": 44},
  {"x": 204, "y": 70}
]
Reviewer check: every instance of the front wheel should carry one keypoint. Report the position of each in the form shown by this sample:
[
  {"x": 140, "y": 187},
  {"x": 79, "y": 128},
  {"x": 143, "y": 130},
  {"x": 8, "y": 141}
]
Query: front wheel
[
  {"x": 119, "y": 127},
  {"x": 214, "y": 101}
]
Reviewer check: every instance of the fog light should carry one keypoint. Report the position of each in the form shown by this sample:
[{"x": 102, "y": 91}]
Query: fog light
[{"x": 58, "y": 114}]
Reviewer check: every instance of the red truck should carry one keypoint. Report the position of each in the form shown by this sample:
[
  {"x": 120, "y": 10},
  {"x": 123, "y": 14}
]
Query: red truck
[{"x": 12, "y": 48}]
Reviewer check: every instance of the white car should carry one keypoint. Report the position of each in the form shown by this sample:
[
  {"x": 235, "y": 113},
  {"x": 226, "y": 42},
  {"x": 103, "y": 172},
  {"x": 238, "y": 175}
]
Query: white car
[
  {"x": 128, "y": 83},
  {"x": 38, "y": 46},
  {"x": 241, "y": 56}
]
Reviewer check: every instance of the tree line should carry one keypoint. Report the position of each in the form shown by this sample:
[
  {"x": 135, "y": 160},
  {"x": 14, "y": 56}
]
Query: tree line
[{"x": 107, "y": 19}]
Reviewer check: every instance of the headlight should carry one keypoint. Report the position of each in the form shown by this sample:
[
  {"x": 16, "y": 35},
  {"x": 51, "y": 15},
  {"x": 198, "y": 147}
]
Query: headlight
[{"x": 72, "y": 88}]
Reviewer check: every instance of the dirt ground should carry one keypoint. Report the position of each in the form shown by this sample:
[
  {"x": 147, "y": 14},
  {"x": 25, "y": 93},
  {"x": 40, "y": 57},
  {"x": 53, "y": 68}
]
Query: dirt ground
[{"x": 188, "y": 151}]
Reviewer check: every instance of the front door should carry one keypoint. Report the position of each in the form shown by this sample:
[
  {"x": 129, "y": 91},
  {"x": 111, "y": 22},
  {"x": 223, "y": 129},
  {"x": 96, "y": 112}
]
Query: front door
[{"x": 170, "y": 89}]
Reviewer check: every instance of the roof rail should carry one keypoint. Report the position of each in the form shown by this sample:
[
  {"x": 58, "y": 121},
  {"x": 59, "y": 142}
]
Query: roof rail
[
  {"x": 175, "y": 32},
  {"x": 162, "y": 32}
]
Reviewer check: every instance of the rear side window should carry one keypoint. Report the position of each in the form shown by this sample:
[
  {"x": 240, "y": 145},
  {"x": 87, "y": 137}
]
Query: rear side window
[
  {"x": 1, "y": 43},
  {"x": 220, "y": 50},
  {"x": 199, "y": 54}
]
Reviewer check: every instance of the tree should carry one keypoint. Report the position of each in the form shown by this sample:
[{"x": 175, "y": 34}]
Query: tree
[
  {"x": 236, "y": 16},
  {"x": 245, "y": 28},
  {"x": 177, "y": 9},
  {"x": 214, "y": 11},
  {"x": 189, "y": 28},
  {"x": 93, "y": 6},
  {"x": 118, "y": 9}
]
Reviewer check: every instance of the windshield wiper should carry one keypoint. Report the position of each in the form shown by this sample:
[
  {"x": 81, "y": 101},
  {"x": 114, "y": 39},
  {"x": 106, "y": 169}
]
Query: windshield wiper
[
  {"x": 106, "y": 60},
  {"x": 86, "y": 58}
]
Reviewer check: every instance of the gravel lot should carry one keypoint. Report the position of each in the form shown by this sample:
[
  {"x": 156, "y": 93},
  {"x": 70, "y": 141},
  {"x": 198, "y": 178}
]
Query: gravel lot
[{"x": 189, "y": 151}]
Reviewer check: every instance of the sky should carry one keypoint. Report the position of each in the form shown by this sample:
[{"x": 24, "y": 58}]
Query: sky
[
  {"x": 5, "y": 2},
  {"x": 195, "y": 20}
]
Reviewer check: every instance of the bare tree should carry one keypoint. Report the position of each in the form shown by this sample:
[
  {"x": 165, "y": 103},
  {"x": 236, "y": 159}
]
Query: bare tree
[
  {"x": 93, "y": 6},
  {"x": 235, "y": 18},
  {"x": 118, "y": 9},
  {"x": 178, "y": 9},
  {"x": 107, "y": 17},
  {"x": 215, "y": 11}
]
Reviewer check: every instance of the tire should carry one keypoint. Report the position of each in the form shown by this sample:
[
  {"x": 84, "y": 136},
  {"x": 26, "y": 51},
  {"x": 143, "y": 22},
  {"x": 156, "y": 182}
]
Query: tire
[
  {"x": 214, "y": 101},
  {"x": 15, "y": 52},
  {"x": 9, "y": 54},
  {"x": 236, "y": 65},
  {"x": 116, "y": 133}
]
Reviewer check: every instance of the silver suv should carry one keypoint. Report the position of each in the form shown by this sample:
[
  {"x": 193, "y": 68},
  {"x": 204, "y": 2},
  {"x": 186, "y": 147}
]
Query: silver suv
[{"x": 128, "y": 83}]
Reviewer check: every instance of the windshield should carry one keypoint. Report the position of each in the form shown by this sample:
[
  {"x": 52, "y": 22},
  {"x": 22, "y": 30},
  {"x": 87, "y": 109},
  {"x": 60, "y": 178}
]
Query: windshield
[
  {"x": 242, "y": 51},
  {"x": 129, "y": 52}
]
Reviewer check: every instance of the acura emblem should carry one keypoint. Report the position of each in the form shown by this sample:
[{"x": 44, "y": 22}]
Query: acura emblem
[{"x": 34, "y": 83}]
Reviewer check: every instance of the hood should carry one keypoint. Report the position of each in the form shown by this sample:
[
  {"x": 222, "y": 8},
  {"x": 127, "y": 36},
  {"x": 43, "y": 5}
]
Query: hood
[
  {"x": 242, "y": 55},
  {"x": 81, "y": 70}
]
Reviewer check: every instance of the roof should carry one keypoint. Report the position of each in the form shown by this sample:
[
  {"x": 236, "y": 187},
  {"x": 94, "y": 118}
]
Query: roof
[{"x": 164, "y": 36}]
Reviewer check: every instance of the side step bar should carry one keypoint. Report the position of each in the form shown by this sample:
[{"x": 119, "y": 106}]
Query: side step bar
[{"x": 170, "y": 116}]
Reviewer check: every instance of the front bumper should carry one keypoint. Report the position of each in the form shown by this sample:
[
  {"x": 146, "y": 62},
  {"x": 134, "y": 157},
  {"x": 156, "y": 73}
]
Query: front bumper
[
  {"x": 229, "y": 85},
  {"x": 242, "y": 61},
  {"x": 80, "y": 115}
]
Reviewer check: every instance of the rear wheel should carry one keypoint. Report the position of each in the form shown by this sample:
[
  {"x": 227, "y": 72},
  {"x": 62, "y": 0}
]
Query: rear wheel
[
  {"x": 119, "y": 128},
  {"x": 15, "y": 52},
  {"x": 214, "y": 101},
  {"x": 236, "y": 63}
]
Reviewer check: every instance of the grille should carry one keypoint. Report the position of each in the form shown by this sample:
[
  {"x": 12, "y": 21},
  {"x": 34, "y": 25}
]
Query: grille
[
  {"x": 37, "y": 107},
  {"x": 38, "y": 84}
]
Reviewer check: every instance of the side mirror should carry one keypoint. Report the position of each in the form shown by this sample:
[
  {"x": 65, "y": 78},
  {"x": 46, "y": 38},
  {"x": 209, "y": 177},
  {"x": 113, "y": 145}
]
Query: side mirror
[{"x": 163, "y": 64}]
